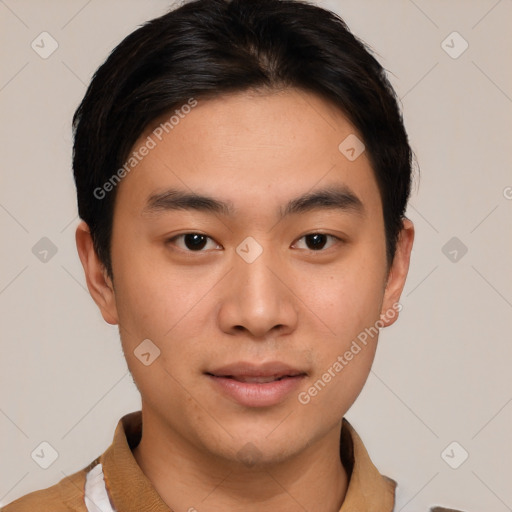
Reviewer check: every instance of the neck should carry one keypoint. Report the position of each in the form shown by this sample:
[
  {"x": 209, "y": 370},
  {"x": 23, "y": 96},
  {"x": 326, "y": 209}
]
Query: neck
[{"x": 188, "y": 479}]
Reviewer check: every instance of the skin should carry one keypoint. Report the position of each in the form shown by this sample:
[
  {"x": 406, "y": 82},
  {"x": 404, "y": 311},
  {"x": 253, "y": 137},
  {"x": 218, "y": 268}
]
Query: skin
[{"x": 207, "y": 309}]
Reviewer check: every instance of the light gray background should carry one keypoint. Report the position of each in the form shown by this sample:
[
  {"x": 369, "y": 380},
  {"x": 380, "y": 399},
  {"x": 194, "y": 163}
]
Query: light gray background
[{"x": 442, "y": 373}]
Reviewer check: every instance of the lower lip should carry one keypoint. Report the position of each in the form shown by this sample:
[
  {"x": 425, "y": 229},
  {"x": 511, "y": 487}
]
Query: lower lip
[{"x": 254, "y": 394}]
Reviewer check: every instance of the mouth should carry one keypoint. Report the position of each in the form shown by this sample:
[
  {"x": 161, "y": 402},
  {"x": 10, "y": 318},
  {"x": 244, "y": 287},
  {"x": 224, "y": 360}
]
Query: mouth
[
  {"x": 262, "y": 379},
  {"x": 262, "y": 373},
  {"x": 252, "y": 385}
]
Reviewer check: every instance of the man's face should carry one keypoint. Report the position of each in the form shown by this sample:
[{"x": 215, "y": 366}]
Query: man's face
[{"x": 258, "y": 291}]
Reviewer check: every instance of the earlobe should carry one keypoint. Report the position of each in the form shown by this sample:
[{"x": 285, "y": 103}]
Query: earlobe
[
  {"x": 99, "y": 284},
  {"x": 397, "y": 275}
]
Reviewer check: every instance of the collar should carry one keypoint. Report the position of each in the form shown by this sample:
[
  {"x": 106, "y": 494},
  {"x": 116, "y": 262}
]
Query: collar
[{"x": 130, "y": 490}]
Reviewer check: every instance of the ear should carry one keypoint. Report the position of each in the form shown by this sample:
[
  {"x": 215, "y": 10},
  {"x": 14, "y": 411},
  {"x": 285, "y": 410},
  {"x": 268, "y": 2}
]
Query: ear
[
  {"x": 397, "y": 275},
  {"x": 100, "y": 285}
]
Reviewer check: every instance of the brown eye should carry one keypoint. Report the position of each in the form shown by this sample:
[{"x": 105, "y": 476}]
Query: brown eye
[
  {"x": 192, "y": 242},
  {"x": 318, "y": 241},
  {"x": 195, "y": 241}
]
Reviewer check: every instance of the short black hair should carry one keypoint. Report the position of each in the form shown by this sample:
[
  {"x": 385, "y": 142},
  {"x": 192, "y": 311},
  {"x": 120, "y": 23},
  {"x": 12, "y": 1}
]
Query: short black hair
[{"x": 207, "y": 48}]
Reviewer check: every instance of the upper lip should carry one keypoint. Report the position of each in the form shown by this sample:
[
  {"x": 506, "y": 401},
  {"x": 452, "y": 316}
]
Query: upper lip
[{"x": 246, "y": 369}]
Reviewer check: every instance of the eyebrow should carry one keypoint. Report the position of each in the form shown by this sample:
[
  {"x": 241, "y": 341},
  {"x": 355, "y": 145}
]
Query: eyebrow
[{"x": 333, "y": 197}]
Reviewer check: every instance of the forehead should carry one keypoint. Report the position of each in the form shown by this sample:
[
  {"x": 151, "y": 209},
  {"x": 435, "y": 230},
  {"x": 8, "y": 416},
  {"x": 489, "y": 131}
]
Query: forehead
[{"x": 250, "y": 146}]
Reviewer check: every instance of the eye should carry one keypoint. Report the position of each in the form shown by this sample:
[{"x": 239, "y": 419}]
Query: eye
[
  {"x": 198, "y": 242},
  {"x": 318, "y": 241},
  {"x": 193, "y": 242}
]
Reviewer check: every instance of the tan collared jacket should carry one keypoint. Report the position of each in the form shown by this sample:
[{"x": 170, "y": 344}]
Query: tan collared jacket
[{"x": 130, "y": 490}]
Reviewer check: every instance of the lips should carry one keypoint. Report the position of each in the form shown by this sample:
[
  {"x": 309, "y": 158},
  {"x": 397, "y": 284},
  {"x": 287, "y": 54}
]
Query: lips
[
  {"x": 248, "y": 372},
  {"x": 257, "y": 380},
  {"x": 254, "y": 386}
]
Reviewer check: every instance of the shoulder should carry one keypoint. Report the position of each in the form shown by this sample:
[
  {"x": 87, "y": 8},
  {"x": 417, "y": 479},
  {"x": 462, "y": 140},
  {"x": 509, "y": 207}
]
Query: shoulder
[{"x": 65, "y": 496}]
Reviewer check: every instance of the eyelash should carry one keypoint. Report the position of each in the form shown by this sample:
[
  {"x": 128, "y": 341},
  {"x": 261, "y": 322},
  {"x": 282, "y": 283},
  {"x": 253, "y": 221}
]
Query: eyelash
[{"x": 333, "y": 237}]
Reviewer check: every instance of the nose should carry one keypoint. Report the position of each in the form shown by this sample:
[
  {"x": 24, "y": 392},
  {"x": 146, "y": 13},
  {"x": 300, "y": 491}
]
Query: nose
[{"x": 258, "y": 298}]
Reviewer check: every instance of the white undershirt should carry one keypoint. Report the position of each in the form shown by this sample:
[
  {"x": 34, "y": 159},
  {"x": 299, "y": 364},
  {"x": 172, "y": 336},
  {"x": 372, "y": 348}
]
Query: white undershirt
[{"x": 96, "y": 497}]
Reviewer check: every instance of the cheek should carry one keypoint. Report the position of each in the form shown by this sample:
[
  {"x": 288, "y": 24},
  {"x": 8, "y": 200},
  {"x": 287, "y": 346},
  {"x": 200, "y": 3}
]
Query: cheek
[
  {"x": 161, "y": 306},
  {"x": 344, "y": 361},
  {"x": 348, "y": 300},
  {"x": 151, "y": 298}
]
